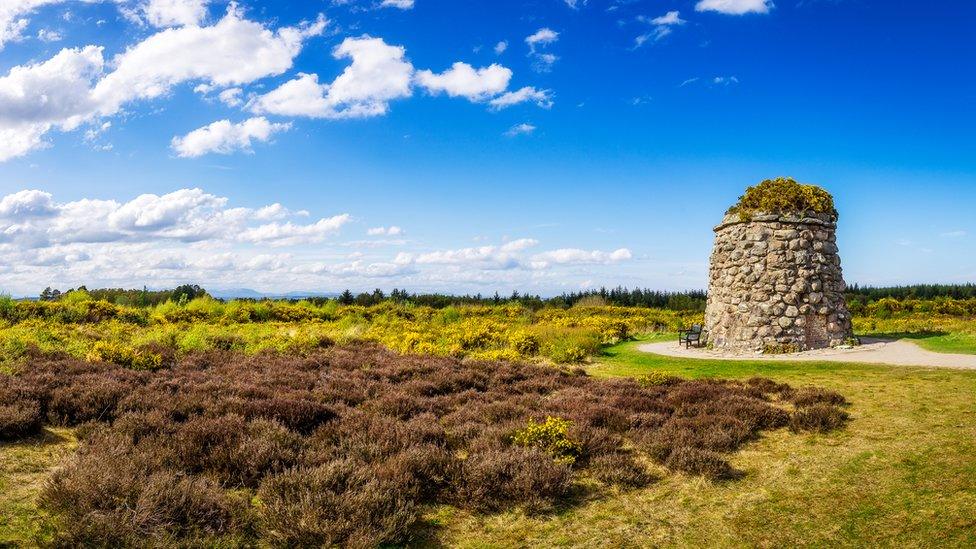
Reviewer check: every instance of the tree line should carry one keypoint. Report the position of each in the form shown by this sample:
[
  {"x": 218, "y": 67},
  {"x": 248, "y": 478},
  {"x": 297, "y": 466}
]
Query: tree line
[{"x": 693, "y": 300}]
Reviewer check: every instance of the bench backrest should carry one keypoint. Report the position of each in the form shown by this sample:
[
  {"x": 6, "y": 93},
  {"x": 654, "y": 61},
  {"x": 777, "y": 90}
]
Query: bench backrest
[{"x": 696, "y": 328}]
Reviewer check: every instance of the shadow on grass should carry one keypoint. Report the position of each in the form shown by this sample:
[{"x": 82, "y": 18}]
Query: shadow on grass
[{"x": 46, "y": 437}]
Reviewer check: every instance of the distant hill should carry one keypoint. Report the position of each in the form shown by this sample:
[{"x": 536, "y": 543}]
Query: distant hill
[{"x": 247, "y": 293}]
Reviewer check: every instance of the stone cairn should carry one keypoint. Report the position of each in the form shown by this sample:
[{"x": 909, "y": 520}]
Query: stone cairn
[{"x": 775, "y": 282}]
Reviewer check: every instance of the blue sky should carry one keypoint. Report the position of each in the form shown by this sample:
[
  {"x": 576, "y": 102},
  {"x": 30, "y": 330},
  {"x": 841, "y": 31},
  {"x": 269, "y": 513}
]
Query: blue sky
[{"x": 539, "y": 145}]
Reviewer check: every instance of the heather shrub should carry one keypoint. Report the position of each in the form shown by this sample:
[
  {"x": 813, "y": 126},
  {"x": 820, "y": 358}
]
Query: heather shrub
[
  {"x": 528, "y": 477},
  {"x": 19, "y": 419},
  {"x": 818, "y": 417},
  {"x": 338, "y": 503},
  {"x": 812, "y": 395},
  {"x": 115, "y": 494},
  {"x": 343, "y": 445},
  {"x": 700, "y": 462},
  {"x": 620, "y": 469}
]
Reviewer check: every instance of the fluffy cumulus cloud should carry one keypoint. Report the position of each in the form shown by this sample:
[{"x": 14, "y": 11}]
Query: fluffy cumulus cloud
[
  {"x": 515, "y": 255},
  {"x": 38, "y": 97},
  {"x": 33, "y": 219},
  {"x": 463, "y": 80},
  {"x": 78, "y": 85},
  {"x": 392, "y": 230},
  {"x": 378, "y": 74},
  {"x": 211, "y": 54},
  {"x": 224, "y": 137},
  {"x": 735, "y": 7},
  {"x": 14, "y": 17},
  {"x": 167, "y": 13},
  {"x": 189, "y": 234},
  {"x": 576, "y": 256},
  {"x": 221, "y": 58},
  {"x": 290, "y": 234},
  {"x": 541, "y": 37},
  {"x": 28, "y": 204}
]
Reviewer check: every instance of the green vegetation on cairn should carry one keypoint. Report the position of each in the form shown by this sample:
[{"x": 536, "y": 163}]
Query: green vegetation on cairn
[{"x": 783, "y": 195}]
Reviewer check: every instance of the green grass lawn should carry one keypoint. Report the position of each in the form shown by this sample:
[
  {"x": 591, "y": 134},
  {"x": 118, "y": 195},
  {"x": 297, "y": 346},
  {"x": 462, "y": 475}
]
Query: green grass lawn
[
  {"x": 949, "y": 343},
  {"x": 24, "y": 466},
  {"x": 902, "y": 473}
]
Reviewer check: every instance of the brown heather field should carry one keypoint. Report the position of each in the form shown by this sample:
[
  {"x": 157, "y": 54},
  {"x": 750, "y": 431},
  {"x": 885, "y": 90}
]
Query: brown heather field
[{"x": 354, "y": 445}]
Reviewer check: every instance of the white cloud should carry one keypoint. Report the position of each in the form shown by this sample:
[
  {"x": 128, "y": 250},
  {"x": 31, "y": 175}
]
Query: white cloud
[
  {"x": 392, "y": 230},
  {"x": 380, "y": 73},
  {"x": 541, "y": 37},
  {"x": 520, "y": 129},
  {"x": 576, "y": 256},
  {"x": 735, "y": 7},
  {"x": 290, "y": 234},
  {"x": 233, "y": 51},
  {"x": 463, "y": 80},
  {"x": 36, "y": 98},
  {"x": 670, "y": 18},
  {"x": 575, "y": 4},
  {"x": 542, "y": 98},
  {"x": 725, "y": 80},
  {"x": 402, "y": 4},
  {"x": 69, "y": 89},
  {"x": 32, "y": 219},
  {"x": 486, "y": 257},
  {"x": 27, "y": 204},
  {"x": 169, "y": 13},
  {"x": 501, "y": 47},
  {"x": 231, "y": 97},
  {"x": 276, "y": 211},
  {"x": 189, "y": 234},
  {"x": 48, "y": 35},
  {"x": 377, "y": 75},
  {"x": 542, "y": 62},
  {"x": 301, "y": 96},
  {"x": 662, "y": 26},
  {"x": 224, "y": 137},
  {"x": 512, "y": 255},
  {"x": 14, "y": 20},
  {"x": 949, "y": 234}
]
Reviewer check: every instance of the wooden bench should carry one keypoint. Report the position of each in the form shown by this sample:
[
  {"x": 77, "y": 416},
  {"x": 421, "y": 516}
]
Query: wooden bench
[{"x": 693, "y": 336}]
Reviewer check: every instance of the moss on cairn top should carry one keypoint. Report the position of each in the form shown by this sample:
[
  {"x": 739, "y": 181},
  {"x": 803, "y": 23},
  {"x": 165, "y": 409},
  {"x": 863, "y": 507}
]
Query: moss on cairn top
[{"x": 783, "y": 195}]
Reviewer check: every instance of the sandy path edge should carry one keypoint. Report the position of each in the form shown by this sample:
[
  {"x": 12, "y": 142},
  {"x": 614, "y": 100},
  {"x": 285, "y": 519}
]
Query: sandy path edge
[{"x": 871, "y": 351}]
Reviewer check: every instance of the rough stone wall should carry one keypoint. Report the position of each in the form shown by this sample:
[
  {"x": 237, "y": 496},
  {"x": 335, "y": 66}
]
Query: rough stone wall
[{"x": 775, "y": 282}]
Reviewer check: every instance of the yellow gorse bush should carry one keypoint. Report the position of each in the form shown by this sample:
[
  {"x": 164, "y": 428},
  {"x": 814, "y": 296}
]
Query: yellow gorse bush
[
  {"x": 783, "y": 195},
  {"x": 509, "y": 331},
  {"x": 551, "y": 436}
]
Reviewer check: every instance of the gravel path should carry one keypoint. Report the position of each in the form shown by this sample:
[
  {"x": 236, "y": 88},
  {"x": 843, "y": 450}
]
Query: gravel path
[{"x": 873, "y": 351}]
